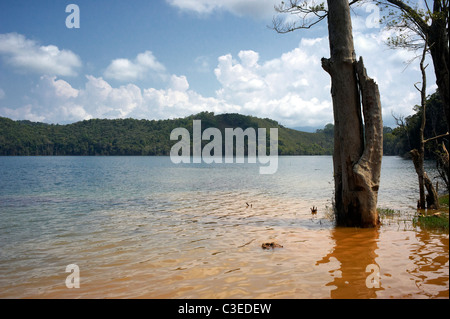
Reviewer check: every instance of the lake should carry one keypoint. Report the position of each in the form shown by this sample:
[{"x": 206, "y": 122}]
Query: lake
[{"x": 143, "y": 227}]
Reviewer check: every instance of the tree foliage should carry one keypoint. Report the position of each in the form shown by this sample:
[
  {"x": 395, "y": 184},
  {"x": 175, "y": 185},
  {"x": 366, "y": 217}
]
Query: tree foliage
[
  {"x": 150, "y": 137},
  {"x": 141, "y": 137},
  {"x": 415, "y": 26},
  {"x": 405, "y": 137}
]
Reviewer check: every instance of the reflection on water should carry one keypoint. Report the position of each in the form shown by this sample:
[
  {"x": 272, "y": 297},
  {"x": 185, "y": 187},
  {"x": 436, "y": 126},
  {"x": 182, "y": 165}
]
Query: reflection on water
[
  {"x": 142, "y": 227},
  {"x": 427, "y": 259},
  {"x": 354, "y": 250}
]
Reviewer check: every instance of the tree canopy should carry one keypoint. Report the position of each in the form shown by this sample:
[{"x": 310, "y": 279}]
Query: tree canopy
[
  {"x": 141, "y": 137},
  {"x": 415, "y": 25},
  {"x": 405, "y": 137}
]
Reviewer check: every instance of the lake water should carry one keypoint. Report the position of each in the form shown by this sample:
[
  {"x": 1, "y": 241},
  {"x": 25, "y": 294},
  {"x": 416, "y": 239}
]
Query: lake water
[{"x": 143, "y": 227}]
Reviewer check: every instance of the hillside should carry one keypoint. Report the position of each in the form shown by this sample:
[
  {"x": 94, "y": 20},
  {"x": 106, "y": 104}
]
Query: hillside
[{"x": 141, "y": 137}]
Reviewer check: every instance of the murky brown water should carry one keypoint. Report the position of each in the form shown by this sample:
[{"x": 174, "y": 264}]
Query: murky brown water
[
  {"x": 209, "y": 246},
  {"x": 219, "y": 255}
]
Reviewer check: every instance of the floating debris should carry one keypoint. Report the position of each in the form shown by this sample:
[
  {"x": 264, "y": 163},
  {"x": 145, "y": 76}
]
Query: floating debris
[
  {"x": 314, "y": 210},
  {"x": 271, "y": 245},
  {"x": 248, "y": 243}
]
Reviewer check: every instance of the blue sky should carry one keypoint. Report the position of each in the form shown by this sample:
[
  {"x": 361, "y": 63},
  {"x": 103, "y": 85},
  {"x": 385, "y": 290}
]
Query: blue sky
[{"x": 172, "y": 58}]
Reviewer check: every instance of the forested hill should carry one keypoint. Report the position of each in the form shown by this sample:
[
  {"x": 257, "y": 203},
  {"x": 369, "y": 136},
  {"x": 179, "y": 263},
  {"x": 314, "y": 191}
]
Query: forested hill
[{"x": 142, "y": 137}]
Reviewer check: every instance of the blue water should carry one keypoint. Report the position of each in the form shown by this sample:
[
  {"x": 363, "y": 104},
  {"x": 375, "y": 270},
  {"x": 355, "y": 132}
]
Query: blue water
[
  {"x": 47, "y": 196},
  {"x": 98, "y": 211}
]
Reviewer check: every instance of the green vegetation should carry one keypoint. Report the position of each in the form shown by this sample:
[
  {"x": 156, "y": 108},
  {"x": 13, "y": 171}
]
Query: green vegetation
[
  {"x": 150, "y": 137},
  {"x": 443, "y": 201},
  {"x": 387, "y": 212},
  {"x": 435, "y": 220},
  {"x": 405, "y": 137},
  {"x": 142, "y": 137},
  {"x": 427, "y": 220}
]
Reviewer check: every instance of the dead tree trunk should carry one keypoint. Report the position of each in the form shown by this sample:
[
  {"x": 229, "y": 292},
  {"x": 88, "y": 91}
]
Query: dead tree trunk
[
  {"x": 432, "y": 201},
  {"x": 357, "y": 162},
  {"x": 437, "y": 41},
  {"x": 417, "y": 159},
  {"x": 443, "y": 165}
]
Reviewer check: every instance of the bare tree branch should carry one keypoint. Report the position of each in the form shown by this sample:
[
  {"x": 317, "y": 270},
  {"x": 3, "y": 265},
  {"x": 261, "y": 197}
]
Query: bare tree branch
[
  {"x": 436, "y": 137},
  {"x": 304, "y": 10}
]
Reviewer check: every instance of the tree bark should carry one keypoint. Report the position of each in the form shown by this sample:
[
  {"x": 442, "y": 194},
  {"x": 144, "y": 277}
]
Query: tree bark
[
  {"x": 418, "y": 155},
  {"x": 443, "y": 165},
  {"x": 418, "y": 165},
  {"x": 442, "y": 79},
  {"x": 356, "y": 162},
  {"x": 437, "y": 40},
  {"x": 368, "y": 168},
  {"x": 431, "y": 200}
]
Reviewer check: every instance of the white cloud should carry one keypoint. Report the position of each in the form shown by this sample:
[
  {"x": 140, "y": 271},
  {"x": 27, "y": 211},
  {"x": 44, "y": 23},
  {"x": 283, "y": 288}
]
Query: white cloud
[
  {"x": 24, "y": 112},
  {"x": 179, "y": 83},
  {"x": 394, "y": 76},
  {"x": 292, "y": 89},
  {"x": 126, "y": 70},
  {"x": 53, "y": 88},
  {"x": 56, "y": 101},
  {"x": 101, "y": 100},
  {"x": 28, "y": 55}
]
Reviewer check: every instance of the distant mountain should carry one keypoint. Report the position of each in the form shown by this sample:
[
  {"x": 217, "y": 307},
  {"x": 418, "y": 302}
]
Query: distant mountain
[
  {"x": 309, "y": 129},
  {"x": 141, "y": 137}
]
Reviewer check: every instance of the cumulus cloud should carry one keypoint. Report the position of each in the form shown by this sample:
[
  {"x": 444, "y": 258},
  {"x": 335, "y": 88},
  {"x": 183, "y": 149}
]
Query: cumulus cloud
[
  {"x": 295, "y": 90},
  {"x": 395, "y": 72},
  {"x": 102, "y": 100},
  {"x": 126, "y": 70},
  {"x": 284, "y": 89},
  {"x": 27, "y": 55},
  {"x": 56, "y": 101},
  {"x": 27, "y": 112},
  {"x": 292, "y": 88},
  {"x": 52, "y": 88},
  {"x": 179, "y": 83}
]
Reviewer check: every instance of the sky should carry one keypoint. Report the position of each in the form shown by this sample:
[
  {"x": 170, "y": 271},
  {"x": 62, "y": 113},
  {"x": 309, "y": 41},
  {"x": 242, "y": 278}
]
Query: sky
[{"x": 165, "y": 59}]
